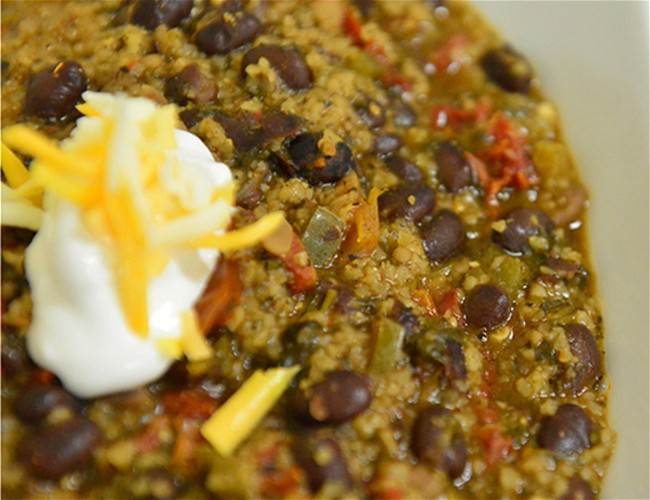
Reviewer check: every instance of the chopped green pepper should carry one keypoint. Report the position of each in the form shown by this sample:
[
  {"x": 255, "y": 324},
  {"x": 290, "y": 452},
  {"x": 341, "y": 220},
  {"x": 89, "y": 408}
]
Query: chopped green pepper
[
  {"x": 323, "y": 237},
  {"x": 387, "y": 352},
  {"x": 512, "y": 274}
]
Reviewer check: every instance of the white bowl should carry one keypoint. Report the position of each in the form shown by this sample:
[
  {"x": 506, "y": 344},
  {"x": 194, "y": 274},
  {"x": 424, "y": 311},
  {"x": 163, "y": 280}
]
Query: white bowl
[{"x": 592, "y": 59}]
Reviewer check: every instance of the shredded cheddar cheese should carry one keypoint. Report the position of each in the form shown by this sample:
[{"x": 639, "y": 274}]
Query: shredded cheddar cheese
[
  {"x": 247, "y": 236},
  {"x": 170, "y": 347},
  {"x": 119, "y": 168},
  {"x": 18, "y": 211},
  {"x": 13, "y": 168},
  {"x": 192, "y": 341},
  {"x": 237, "y": 418}
]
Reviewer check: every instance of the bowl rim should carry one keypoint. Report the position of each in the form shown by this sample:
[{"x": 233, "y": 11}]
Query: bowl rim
[{"x": 605, "y": 72}]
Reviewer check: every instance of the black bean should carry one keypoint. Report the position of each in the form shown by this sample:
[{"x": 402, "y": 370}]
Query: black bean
[
  {"x": 571, "y": 210},
  {"x": 323, "y": 462},
  {"x": 55, "y": 91},
  {"x": 436, "y": 345},
  {"x": 574, "y": 273},
  {"x": 190, "y": 84},
  {"x": 176, "y": 376},
  {"x": 13, "y": 364},
  {"x": 454, "y": 171},
  {"x": 251, "y": 193},
  {"x": 508, "y": 69},
  {"x": 437, "y": 440},
  {"x": 562, "y": 268},
  {"x": 372, "y": 113},
  {"x": 583, "y": 346},
  {"x": 230, "y": 6},
  {"x": 303, "y": 150},
  {"x": 340, "y": 397},
  {"x": 566, "y": 432},
  {"x": 443, "y": 236},
  {"x": 15, "y": 360},
  {"x": 404, "y": 116},
  {"x": 276, "y": 125},
  {"x": 344, "y": 302},
  {"x": 405, "y": 317},
  {"x": 224, "y": 35},
  {"x": 152, "y": 13},
  {"x": 249, "y": 131},
  {"x": 190, "y": 117},
  {"x": 412, "y": 200},
  {"x": 288, "y": 63},
  {"x": 299, "y": 341},
  {"x": 454, "y": 360},
  {"x": 35, "y": 402},
  {"x": 385, "y": 144},
  {"x": 404, "y": 169},
  {"x": 15, "y": 236},
  {"x": 578, "y": 489},
  {"x": 54, "y": 451},
  {"x": 305, "y": 160},
  {"x": 486, "y": 306},
  {"x": 522, "y": 224}
]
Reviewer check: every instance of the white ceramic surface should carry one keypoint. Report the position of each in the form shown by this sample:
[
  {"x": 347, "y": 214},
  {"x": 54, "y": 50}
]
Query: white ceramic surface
[{"x": 592, "y": 58}]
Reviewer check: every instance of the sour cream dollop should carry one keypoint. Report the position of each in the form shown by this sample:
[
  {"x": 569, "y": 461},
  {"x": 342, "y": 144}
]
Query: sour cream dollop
[{"x": 78, "y": 330}]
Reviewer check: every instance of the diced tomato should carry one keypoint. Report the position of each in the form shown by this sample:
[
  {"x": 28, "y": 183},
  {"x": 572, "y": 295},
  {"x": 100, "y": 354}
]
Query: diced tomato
[
  {"x": 486, "y": 415},
  {"x": 507, "y": 157},
  {"x": 188, "y": 436},
  {"x": 283, "y": 482},
  {"x": 297, "y": 262},
  {"x": 451, "y": 302},
  {"x": 508, "y": 152},
  {"x": 437, "y": 307},
  {"x": 266, "y": 458},
  {"x": 424, "y": 297},
  {"x": 220, "y": 296},
  {"x": 42, "y": 376},
  {"x": 447, "y": 115},
  {"x": 280, "y": 482},
  {"x": 479, "y": 168},
  {"x": 352, "y": 27},
  {"x": 491, "y": 186},
  {"x": 505, "y": 162},
  {"x": 497, "y": 446},
  {"x": 149, "y": 440},
  {"x": 393, "y": 78},
  {"x": 450, "y": 52},
  {"x": 288, "y": 247},
  {"x": 191, "y": 403},
  {"x": 389, "y": 494}
]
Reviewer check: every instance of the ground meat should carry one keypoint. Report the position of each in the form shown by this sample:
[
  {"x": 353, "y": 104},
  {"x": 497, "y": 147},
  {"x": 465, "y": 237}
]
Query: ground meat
[{"x": 455, "y": 352}]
